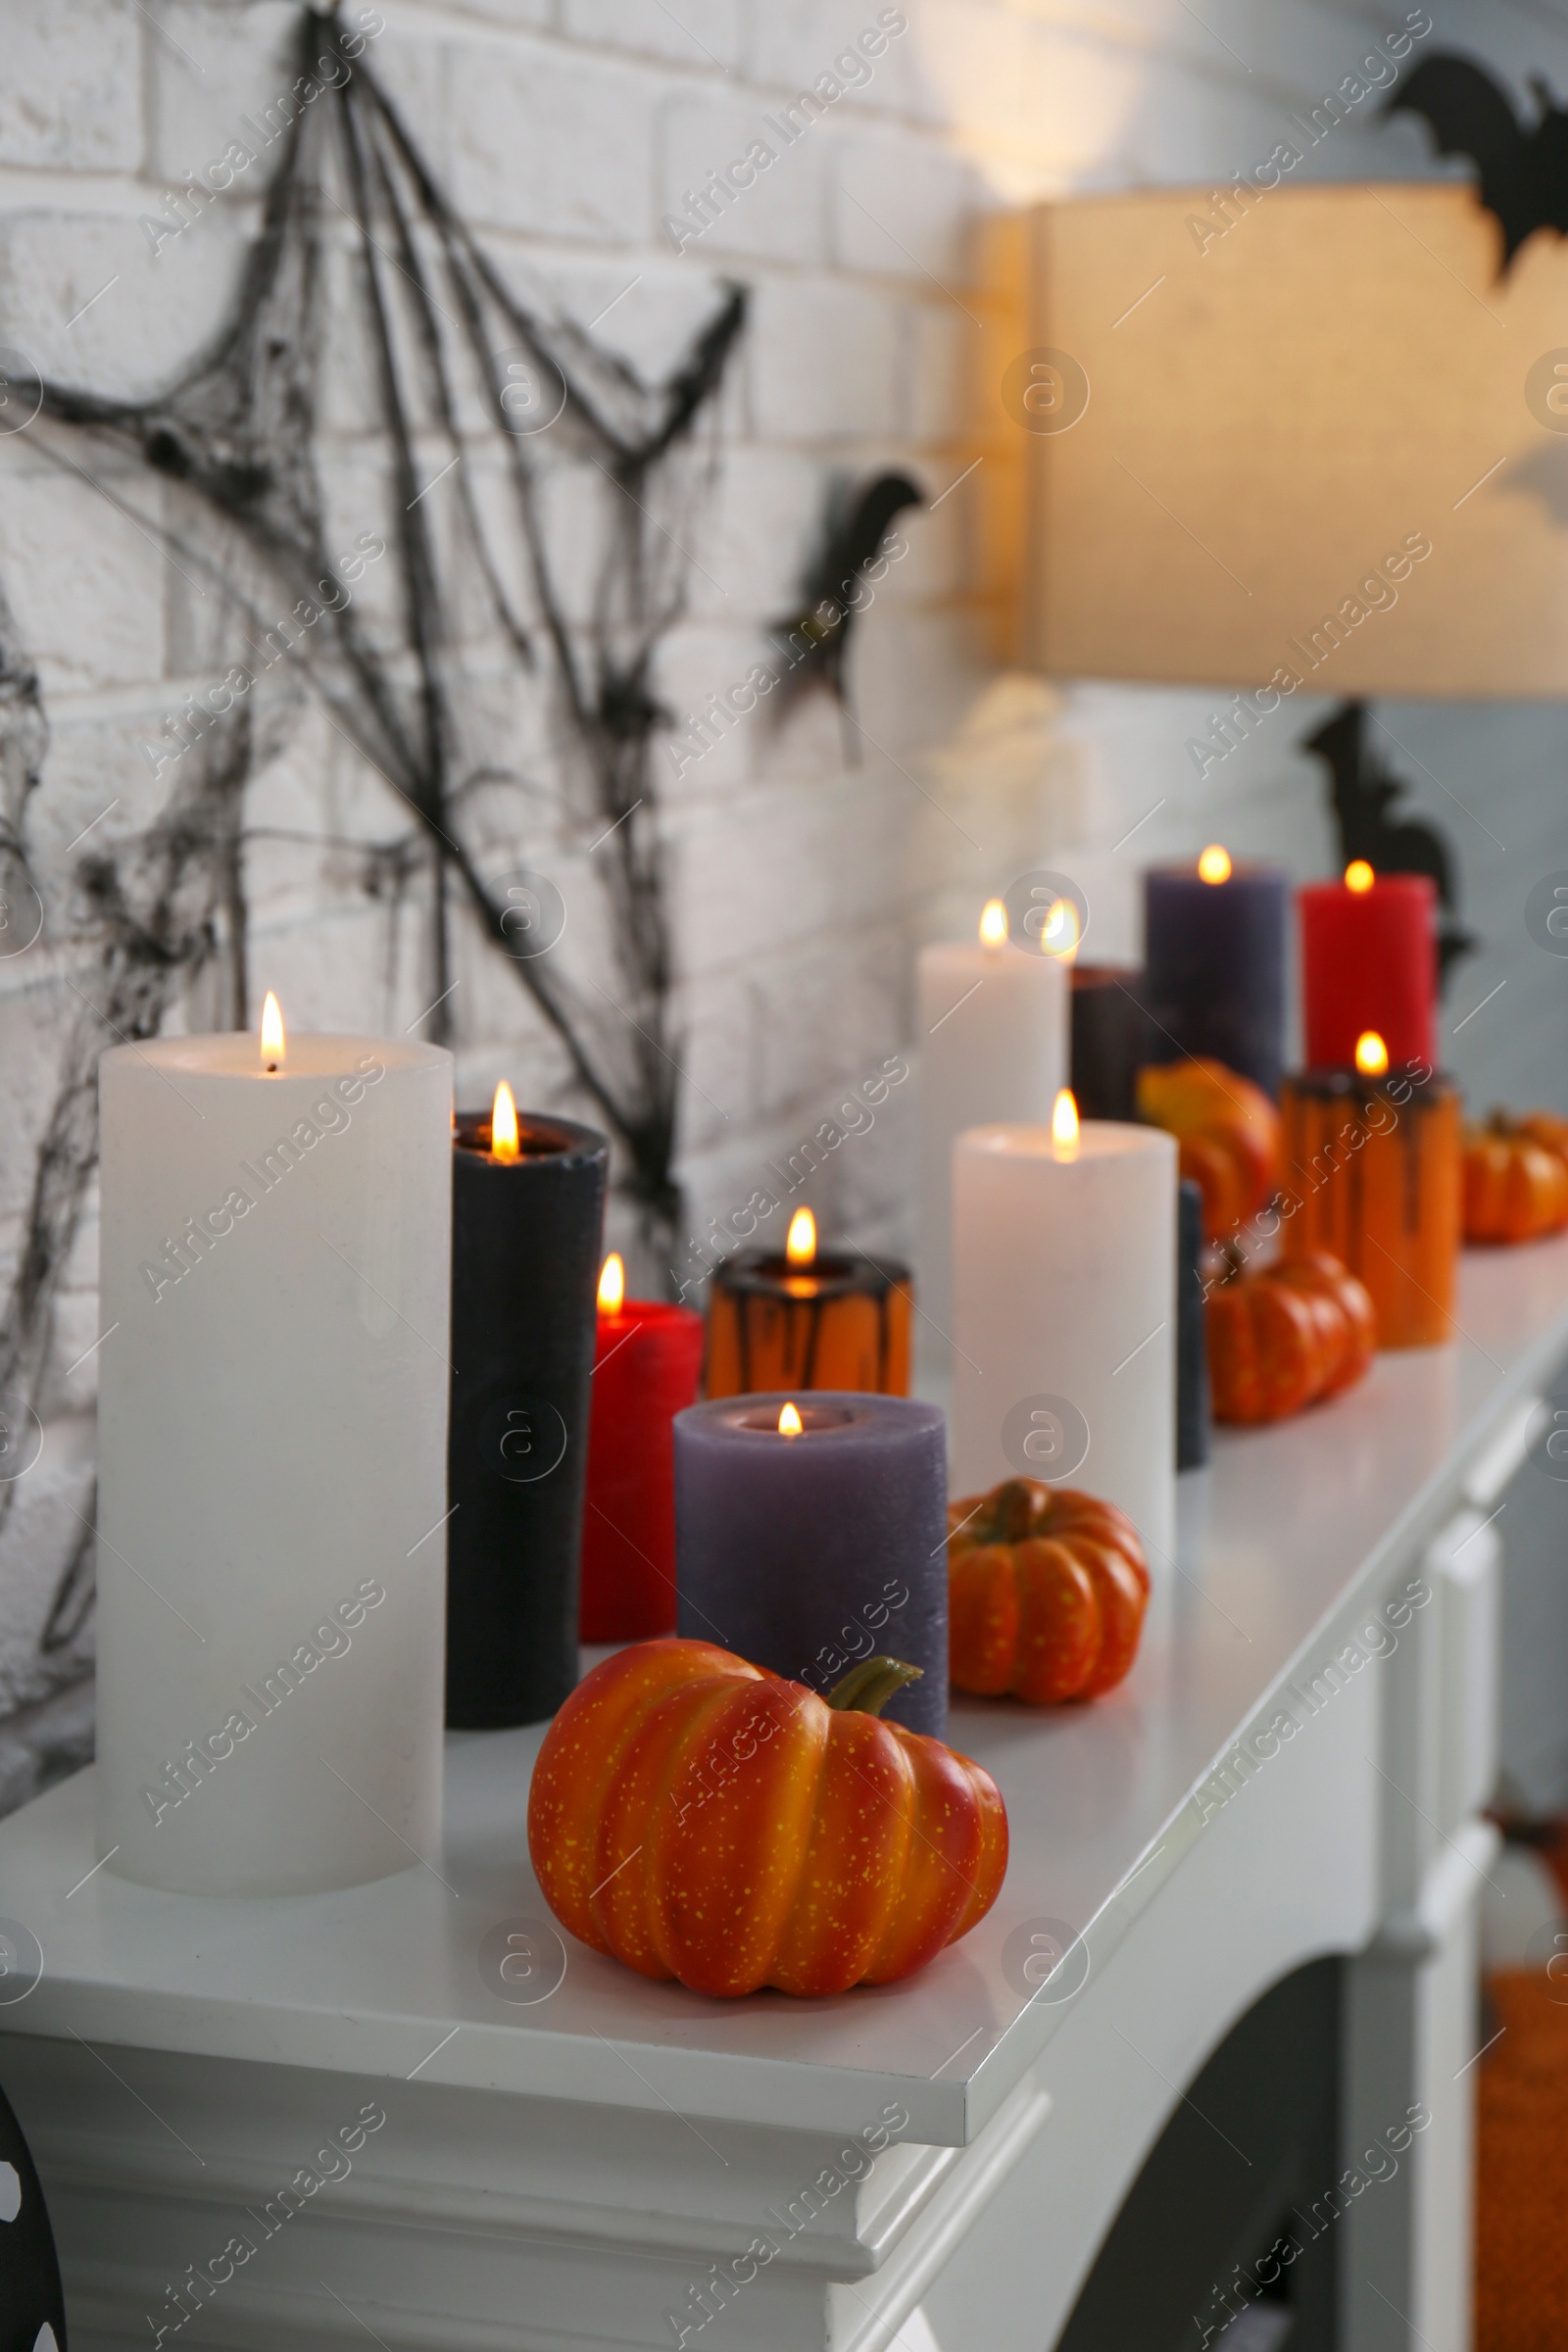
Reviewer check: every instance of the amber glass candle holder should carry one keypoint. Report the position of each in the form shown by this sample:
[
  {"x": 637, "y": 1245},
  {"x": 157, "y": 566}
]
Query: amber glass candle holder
[
  {"x": 1373, "y": 1171},
  {"x": 807, "y": 1319}
]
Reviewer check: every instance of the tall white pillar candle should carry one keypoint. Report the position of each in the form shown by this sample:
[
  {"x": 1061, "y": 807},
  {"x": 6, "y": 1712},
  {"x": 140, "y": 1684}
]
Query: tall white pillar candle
[
  {"x": 275, "y": 1271},
  {"x": 994, "y": 1031},
  {"x": 1064, "y": 1314}
]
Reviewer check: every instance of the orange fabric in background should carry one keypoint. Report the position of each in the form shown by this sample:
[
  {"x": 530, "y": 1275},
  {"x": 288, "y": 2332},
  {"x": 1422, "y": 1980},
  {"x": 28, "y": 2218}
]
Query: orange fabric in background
[{"x": 1522, "y": 2166}]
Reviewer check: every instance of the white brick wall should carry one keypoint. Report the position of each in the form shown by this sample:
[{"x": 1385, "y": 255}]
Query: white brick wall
[{"x": 566, "y": 129}]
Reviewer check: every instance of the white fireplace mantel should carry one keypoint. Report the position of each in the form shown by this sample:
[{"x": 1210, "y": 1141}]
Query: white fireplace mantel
[{"x": 569, "y": 2172}]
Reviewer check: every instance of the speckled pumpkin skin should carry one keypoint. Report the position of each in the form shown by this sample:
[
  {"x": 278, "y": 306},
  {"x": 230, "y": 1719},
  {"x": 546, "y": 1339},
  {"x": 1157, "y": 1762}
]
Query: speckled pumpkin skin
[{"x": 703, "y": 1819}]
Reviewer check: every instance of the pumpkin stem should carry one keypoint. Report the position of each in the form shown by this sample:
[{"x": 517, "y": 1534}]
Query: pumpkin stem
[{"x": 866, "y": 1688}]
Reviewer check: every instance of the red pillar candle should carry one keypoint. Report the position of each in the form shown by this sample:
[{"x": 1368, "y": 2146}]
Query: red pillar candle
[
  {"x": 646, "y": 1370},
  {"x": 1369, "y": 961}
]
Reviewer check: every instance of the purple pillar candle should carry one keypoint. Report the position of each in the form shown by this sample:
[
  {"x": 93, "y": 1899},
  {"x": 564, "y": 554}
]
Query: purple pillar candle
[
  {"x": 1214, "y": 965},
  {"x": 804, "y": 1552}
]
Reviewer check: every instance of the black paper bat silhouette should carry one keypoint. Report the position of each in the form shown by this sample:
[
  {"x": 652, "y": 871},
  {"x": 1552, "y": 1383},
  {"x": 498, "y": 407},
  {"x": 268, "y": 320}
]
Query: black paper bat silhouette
[
  {"x": 815, "y": 639},
  {"x": 1370, "y": 826},
  {"x": 1524, "y": 172}
]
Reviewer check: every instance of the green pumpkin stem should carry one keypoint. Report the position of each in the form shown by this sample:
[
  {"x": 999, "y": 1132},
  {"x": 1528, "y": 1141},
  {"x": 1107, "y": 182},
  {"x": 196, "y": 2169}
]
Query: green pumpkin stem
[{"x": 866, "y": 1688}]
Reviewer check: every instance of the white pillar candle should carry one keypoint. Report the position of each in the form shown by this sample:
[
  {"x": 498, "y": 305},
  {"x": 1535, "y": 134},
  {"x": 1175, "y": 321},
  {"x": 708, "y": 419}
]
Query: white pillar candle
[
  {"x": 1064, "y": 1309},
  {"x": 275, "y": 1269},
  {"x": 994, "y": 1030}
]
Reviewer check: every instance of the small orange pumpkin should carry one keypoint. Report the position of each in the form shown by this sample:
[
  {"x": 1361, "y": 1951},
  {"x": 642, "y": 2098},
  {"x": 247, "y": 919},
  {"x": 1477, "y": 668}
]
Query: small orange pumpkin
[
  {"x": 1516, "y": 1178},
  {"x": 1227, "y": 1133},
  {"x": 1046, "y": 1590},
  {"x": 1288, "y": 1337},
  {"x": 703, "y": 1819}
]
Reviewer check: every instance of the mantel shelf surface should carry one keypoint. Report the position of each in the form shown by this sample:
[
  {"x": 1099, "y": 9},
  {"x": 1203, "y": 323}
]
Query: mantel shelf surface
[{"x": 1284, "y": 1538}]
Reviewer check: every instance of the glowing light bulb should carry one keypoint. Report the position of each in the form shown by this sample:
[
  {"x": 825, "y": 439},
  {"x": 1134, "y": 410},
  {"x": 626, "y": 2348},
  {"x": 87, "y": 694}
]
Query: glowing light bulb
[
  {"x": 613, "y": 1285},
  {"x": 273, "y": 1040},
  {"x": 994, "y": 924},
  {"x": 504, "y": 1124},
  {"x": 1358, "y": 875},
  {"x": 1214, "y": 865},
  {"x": 1060, "y": 931},
  {"x": 789, "y": 1422},
  {"x": 1371, "y": 1055},
  {"x": 1064, "y": 1125},
  {"x": 799, "y": 1243}
]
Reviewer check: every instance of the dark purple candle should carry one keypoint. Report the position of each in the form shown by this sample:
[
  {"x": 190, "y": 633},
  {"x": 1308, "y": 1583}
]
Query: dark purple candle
[
  {"x": 1214, "y": 965},
  {"x": 805, "y": 1552}
]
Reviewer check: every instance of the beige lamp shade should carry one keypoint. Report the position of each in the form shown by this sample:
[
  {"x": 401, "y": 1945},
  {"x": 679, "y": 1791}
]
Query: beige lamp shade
[{"x": 1324, "y": 439}]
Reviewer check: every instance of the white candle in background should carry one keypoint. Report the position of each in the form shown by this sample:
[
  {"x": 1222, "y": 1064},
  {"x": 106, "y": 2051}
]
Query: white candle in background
[
  {"x": 993, "y": 1035},
  {"x": 275, "y": 1271},
  {"x": 1064, "y": 1314}
]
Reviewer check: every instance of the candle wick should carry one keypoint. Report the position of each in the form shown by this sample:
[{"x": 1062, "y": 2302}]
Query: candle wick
[{"x": 271, "y": 1069}]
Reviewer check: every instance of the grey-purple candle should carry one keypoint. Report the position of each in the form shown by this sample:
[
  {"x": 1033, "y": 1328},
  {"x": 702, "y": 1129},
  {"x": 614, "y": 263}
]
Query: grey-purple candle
[{"x": 804, "y": 1552}]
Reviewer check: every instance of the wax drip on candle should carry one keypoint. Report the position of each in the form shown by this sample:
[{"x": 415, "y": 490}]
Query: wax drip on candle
[
  {"x": 1214, "y": 865},
  {"x": 1371, "y": 1055},
  {"x": 994, "y": 924},
  {"x": 1358, "y": 875},
  {"x": 504, "y": 1124},
  {"x": 272, "y": 1035},
  {"x": 613, "y": 1285},
  {"x": 1064, "y": 1125},
  {"x": 789, "y": 1422},
  {"x": 799, "y": 1243}
]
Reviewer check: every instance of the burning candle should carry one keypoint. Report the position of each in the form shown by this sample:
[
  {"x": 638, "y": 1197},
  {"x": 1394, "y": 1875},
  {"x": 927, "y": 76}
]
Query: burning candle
[
  {"x": 275, "y": 1269},
  {"x": 646, "y": 1366},
  {"x": 812, "y": 1531},
  {"x": 1369, "y": 961},
  {"x": 1374, "y": 1172},
  {"x": 993, "y": 1046},
  {"x": 528, "y": 1216},
  {"x": 810, "y": 1319},
  {"x": 1214, "y": 957},
  {"x": 1064, "y": 1311}
]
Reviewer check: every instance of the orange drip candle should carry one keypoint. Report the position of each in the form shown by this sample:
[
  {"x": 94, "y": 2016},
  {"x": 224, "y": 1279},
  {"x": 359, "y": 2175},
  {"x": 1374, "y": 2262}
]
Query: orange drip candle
[
  {"x": 1373, "y": 1171},
  {"x": 836, "y": 1322}
]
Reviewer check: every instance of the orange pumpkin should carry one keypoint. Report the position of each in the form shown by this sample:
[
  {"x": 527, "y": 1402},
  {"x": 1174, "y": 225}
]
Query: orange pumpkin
[
  {"x": 1046, "y": 1590},
  {"x": 1516, "y": 1179},
  {"x": 1227, "y": 1133},
  {"x": 703, "y": 1819},
  {"x": 1288, "y": 1337}
]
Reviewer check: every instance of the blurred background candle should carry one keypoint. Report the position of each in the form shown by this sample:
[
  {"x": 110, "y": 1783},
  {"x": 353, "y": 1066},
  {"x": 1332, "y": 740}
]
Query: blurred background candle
[
  {"x": 648, "y": 1358},
  {"x": 992, "y": 1036},
  {"x": 276, "y": 1259},
  {"x": 1373, "y": 1166},
  {"x": 1215, "y": 939},
  {"x": 1064, "y": 1312},
  {"x": 1194, "y": 1413},
  {"x": 1369, "y": 961},
  {"x": 1111, "y": 1036},
  {"x": 812, "y": 1532},
  {"x": 527, "y": 1220},
  {"x": 808, "y": 1319}
]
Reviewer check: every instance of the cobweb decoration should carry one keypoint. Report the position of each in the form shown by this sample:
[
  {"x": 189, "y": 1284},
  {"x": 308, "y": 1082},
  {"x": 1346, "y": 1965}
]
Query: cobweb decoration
[{"x": 363, "y": 277}]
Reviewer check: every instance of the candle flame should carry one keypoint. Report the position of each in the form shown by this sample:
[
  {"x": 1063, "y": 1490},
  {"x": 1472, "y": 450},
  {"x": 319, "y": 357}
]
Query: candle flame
[
  {"x": 613, "y": 1285},
  {"x": 994, "y": 924},
  {"x": 1371, "y": 1055},
  {"x": 271, "y": 1032},
  {"x": 1358, "y": 875},
  {"x": 504, "y": 1124},
  {"x": 1061, "y": 931},
  {"x": 1064, "y": 1125},
  {"x": 799, "y": 1243},
  {"x": 1214, "y": 865},
  {"x": 789, "y": 1422}
]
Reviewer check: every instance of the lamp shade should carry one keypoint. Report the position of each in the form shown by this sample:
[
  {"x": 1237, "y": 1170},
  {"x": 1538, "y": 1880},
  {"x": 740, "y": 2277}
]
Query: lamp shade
[{"x": 1322, "y": 443}]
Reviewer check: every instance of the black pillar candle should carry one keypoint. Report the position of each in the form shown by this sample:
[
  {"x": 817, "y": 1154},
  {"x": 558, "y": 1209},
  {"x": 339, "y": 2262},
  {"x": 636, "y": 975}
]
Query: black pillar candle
[
  {"x": 1214, "y": 941},
  {"x": 526, "y": 1233},
  {"x": 1112, "y": 1037},
  {"x": 1193, "y": 1417}
]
